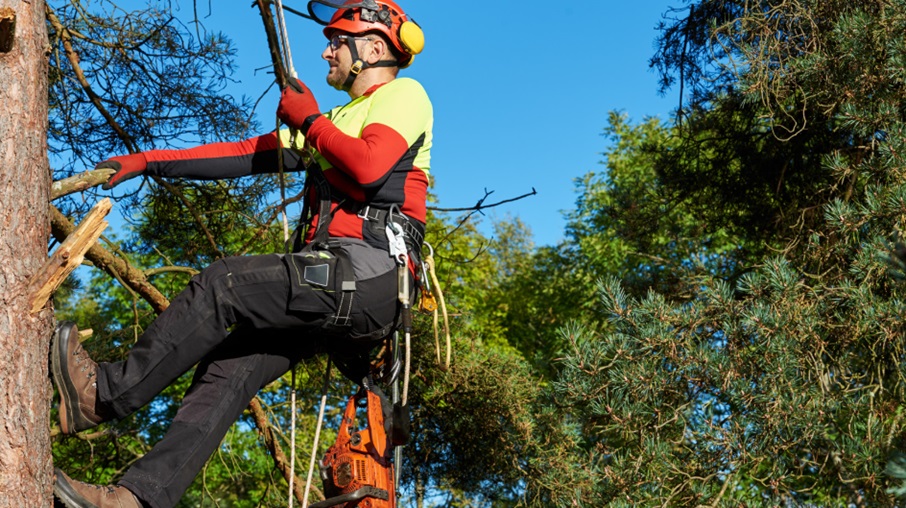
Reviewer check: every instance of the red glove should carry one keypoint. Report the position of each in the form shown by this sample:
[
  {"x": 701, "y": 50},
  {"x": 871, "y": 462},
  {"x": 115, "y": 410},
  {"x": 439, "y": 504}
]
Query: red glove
[
  {"x": 297, "y": 104},
  {"x": 126, "y": 166}
]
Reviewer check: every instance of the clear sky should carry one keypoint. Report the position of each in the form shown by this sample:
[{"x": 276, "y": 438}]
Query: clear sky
[{"x": 521, "y": 90}]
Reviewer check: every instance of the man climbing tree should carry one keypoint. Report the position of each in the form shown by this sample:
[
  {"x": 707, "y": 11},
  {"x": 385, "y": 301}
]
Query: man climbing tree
[
  {"x": 247, "y": 320},
  {"x": 25, "y": 477}
]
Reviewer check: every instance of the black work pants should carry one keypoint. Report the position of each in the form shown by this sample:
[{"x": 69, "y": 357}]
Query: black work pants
[{"x": 251, "y": 297}]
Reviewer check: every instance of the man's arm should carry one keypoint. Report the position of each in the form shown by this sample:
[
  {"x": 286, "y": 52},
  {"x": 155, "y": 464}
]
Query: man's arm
[{"x": 206, "y": 162}]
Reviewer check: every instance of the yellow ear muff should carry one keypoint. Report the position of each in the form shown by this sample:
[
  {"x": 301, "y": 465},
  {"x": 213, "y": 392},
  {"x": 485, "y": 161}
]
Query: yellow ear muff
[{"x": 411, "y": 37}]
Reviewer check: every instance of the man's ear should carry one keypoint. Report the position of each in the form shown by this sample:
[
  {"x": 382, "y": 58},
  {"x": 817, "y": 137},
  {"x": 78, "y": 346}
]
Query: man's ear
[{"x": 377, "y": 50}]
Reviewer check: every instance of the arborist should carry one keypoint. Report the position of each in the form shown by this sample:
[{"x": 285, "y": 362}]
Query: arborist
[{"x": 245, "y": 321}]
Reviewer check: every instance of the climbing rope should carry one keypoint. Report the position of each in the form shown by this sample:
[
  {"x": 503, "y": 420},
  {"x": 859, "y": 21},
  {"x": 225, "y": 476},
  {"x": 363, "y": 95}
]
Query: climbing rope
[
  {"x": 292, "y": 438},
  {"x": 290, "y": 69},
  {"x": 280, "y": 50},
  {"x": 431, "y": 294},
  {"x": 284, "y": 39},
  {"x": 314, "y": 448}
]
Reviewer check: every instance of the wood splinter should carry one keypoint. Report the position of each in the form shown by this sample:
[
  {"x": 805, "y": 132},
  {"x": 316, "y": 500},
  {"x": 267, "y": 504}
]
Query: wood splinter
[{"x": 68, "y": 256}]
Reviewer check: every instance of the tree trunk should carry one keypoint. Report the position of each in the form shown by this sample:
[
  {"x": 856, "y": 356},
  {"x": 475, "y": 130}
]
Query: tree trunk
[{"x": 26, "y": 468}]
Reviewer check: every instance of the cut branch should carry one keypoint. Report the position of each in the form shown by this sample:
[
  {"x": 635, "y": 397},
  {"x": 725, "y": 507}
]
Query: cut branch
[{"x": 80, "y": 182}]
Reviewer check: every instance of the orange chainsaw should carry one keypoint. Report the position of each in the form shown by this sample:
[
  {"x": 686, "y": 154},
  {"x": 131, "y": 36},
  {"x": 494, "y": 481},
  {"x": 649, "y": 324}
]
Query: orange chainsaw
[{"x": 357, "y": 471}]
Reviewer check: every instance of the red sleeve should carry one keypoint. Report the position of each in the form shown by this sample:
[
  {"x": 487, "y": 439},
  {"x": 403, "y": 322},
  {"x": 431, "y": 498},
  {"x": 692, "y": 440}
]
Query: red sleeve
[
  {"x": 221, "y": 160},
  {"x": 368, "y": 160}
]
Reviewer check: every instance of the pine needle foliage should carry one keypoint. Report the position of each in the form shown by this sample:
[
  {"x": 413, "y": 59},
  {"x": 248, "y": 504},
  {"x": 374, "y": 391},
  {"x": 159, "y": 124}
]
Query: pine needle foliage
[{"x": 780, "y": 382}]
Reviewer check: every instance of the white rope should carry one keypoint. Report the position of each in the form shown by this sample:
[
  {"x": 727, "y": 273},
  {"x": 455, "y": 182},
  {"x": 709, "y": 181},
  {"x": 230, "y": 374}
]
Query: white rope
[
  {"x": 314, "y": 448},
  {"x": 284, "y": 40},
  {"x": 406, "y": 371},
  {"x": 398, "y": 452},
  {"x": 292, "y": 439},
  {"x": 288, "y": 64},
  {"x": 292, "y": 397}
]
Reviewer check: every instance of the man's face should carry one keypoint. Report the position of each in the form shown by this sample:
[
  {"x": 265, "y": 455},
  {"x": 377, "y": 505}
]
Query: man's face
[{"x": 339, "y": 57}]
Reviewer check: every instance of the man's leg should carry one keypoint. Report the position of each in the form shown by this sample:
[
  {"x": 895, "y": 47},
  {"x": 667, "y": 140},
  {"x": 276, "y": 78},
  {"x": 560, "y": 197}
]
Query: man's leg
[
  {"x": 223, "y": 385},
  {"x": 252, "y": 292},
  {"x": 247, "y": 291}
]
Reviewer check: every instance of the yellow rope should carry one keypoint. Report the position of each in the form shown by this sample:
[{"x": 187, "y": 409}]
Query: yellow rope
[{"x": 435, "y": 288}]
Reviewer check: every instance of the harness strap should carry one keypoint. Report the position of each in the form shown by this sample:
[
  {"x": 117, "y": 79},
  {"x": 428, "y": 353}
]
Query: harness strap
[
  {"x": 374, "y": 219},
  {"x": 343, "y": 318},
  {"x": 323, "y": 190}
]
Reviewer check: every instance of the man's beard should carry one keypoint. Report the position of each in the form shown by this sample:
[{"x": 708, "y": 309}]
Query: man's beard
[{"x": 337, "y": 78}]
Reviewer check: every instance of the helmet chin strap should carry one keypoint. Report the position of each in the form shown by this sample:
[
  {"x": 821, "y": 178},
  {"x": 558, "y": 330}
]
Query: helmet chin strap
[{"x": 358, "y": 65}]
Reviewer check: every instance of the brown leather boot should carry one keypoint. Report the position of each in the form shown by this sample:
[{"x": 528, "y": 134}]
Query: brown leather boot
[
  {"x": 75, "y": 375},
  {"x": 76, "y": 494}
]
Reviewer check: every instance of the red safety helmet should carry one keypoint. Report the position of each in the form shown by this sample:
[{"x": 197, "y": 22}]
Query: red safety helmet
[{"x": 360, "y": 16}]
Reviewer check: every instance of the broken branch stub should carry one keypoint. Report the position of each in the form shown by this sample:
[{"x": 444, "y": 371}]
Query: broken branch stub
[{"x": 68, "y": 256}]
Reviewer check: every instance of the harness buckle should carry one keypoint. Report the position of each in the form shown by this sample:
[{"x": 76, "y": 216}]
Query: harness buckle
[{"x": 363, "y": 213}]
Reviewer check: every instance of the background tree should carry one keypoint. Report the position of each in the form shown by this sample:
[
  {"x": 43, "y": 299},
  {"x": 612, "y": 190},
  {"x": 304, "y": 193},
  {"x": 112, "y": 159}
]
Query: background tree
[{"x": 777, "y": 378}]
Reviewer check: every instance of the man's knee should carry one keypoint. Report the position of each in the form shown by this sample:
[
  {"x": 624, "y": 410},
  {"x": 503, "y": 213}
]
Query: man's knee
[{"x": 213, "y": 276}]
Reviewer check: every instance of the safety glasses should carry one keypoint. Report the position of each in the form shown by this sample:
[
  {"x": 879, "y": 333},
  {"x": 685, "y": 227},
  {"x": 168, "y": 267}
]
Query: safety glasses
[{"x": 336, "y": 40}]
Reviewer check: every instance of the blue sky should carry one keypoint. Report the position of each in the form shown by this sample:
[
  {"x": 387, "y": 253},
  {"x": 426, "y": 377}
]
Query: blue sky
[{"x": 521, "y": 90}]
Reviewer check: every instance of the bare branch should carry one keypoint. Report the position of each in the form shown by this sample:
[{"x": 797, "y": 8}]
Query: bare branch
[
  {"x": 195, "y": 215},
  {"x": 170, "y": 269},
  {"x": 73, "y": 58},
  {"x": 479, "y": 206}
]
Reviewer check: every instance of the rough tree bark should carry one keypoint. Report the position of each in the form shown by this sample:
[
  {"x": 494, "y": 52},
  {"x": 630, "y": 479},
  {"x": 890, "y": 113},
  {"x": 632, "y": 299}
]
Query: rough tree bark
[{"x": 26, "y": 470}]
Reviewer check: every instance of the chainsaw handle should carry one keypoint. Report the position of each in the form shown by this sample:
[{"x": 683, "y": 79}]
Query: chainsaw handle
[{"x": 358, "y": 495}]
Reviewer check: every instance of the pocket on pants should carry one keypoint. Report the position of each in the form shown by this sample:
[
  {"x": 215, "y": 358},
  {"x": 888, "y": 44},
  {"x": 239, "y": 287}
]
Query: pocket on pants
[{"x": 314, "y": 281}]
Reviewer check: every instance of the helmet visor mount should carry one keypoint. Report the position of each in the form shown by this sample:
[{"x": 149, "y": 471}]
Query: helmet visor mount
[{"x": 322, "y": 11}]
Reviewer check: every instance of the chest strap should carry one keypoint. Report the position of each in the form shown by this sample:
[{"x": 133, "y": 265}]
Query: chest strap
[{"x": 375, "y": 219}]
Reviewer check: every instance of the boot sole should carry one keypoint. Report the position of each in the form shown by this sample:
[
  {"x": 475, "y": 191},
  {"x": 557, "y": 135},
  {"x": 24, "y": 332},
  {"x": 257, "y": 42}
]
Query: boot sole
[
  {"x": 59, "y": 365},
  {"x": 67, "y": 495}
]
